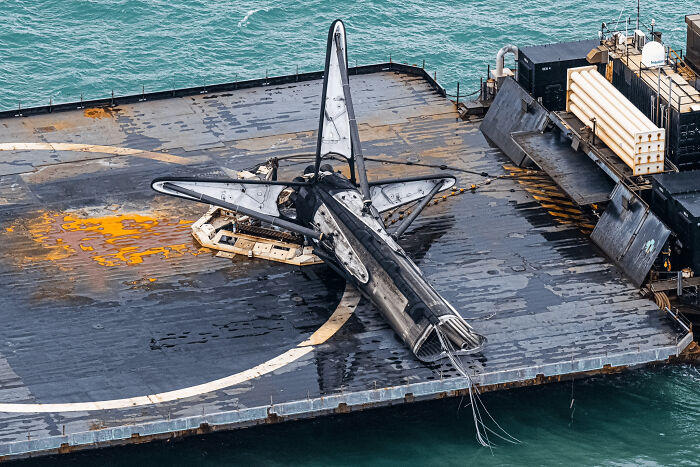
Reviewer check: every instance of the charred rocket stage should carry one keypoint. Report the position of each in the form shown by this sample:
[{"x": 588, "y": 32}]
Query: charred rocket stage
[{"x": 389, "y": 245}]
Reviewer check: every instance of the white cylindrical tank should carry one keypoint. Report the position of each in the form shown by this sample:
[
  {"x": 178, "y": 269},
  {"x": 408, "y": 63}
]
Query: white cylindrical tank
[{"x": 618, "y": 123}]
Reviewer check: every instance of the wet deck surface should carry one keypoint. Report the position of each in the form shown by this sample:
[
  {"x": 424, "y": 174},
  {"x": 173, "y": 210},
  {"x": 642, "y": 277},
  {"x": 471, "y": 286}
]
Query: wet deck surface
[{"x": 105, "y": 295}]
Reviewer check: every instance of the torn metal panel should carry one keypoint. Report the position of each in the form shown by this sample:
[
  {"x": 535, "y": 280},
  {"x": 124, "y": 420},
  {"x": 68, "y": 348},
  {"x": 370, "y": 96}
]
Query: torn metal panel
[
  {"x": 513, "y": 110},
  {"x": 575, "y": 173},
  {"x": 233, "y": 235},
  {"x": 630, "y": 234}
]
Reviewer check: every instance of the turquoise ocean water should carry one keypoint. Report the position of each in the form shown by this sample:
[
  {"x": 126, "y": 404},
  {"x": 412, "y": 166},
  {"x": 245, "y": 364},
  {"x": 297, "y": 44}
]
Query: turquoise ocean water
[{"x": 62, "y": 49}]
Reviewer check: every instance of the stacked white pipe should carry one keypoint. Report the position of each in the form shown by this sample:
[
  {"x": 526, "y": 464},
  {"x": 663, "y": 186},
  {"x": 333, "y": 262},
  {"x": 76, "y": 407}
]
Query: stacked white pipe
[{"x": 618, "y": 123}]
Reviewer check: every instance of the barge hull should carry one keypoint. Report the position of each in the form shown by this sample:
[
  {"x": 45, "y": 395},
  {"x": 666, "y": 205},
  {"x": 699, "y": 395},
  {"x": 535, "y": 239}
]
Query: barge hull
[{"x": 106, "y": 297}]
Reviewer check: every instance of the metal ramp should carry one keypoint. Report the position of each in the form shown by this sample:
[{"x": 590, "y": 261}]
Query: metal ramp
[
  {"x": 513, "y": 111},
  {"x": 630, "y": 234},
  {"x": 573, "y": 171}
]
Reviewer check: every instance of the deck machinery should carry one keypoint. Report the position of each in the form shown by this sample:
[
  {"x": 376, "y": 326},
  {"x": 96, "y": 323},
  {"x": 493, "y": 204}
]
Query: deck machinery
[{"x": 647, "y": 223}]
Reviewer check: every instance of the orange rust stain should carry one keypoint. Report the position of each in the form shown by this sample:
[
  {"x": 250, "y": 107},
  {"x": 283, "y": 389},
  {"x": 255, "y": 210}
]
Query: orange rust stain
[
  {"x": 9, "y": 229},
  {"x": 54, "y": 249},
  {"x": 133, "y": 255},
  {"x": 152, "y": 279},
  {"x": 113, "y": 240},
  {"x": 112, "y": 228},
  {"x": 98, "y": 112}
]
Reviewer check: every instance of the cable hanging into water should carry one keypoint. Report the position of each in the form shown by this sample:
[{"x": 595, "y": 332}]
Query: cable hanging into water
[{"x": 477, "y": 405}]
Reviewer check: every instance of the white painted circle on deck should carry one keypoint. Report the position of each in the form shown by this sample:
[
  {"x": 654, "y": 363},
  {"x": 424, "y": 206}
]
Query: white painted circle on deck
[
  {"x": 342, "y": 313},
  {"x": 345, "y": 309}
]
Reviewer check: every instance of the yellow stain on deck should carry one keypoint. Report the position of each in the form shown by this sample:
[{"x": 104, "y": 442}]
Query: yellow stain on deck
[
  {"x": 98, "y": 112},
  {"x": 125, "y": 239},
  {"x": 54, "y": 248}
]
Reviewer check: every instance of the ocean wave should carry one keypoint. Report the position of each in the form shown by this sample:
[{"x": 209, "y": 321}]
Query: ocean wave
[{"x": 250, "y": 13}]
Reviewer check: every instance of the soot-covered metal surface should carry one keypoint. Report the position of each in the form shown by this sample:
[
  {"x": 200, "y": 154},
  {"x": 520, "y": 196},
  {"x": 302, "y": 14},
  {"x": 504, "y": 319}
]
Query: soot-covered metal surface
[{"x": 106, "y": 298}]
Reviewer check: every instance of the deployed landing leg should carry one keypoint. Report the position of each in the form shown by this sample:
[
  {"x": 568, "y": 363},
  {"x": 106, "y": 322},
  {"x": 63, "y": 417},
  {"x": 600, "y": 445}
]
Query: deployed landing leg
[{"x": 417, "y": 210}]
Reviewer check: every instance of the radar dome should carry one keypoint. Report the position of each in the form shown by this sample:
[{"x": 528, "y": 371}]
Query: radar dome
[{"x": 653, "y": 55}]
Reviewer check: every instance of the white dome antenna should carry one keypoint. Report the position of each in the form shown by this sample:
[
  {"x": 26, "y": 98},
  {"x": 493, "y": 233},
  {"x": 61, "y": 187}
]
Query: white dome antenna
[{"x": 653, "y": 55}]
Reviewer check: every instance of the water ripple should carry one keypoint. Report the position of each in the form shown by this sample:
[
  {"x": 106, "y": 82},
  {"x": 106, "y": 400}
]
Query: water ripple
[{"x": 62, "y": 49}]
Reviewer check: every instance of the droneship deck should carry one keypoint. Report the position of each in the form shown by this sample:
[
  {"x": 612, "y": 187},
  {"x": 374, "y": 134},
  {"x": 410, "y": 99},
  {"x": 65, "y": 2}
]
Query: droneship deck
[{"x": 117, "y": 328}]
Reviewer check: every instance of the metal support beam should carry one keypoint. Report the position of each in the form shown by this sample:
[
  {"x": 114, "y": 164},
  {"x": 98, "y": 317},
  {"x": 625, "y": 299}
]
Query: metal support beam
[
  {"x": 272, "y": 220},
  {"x": 354, "y": 133},
  {"x": 416, "y": 211}
]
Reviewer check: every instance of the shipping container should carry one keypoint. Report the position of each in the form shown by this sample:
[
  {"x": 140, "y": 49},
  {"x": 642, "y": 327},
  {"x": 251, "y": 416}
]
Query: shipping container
[
  {"x": 676, "y": 200},
  {"x": 683, "y": 128},
  {"x": 692, "y": 51},
  {"x": 542, "y": 69}
]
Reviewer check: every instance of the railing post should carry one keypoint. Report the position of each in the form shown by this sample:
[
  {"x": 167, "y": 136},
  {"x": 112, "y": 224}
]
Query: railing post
[{"x": 457, "y": 93}]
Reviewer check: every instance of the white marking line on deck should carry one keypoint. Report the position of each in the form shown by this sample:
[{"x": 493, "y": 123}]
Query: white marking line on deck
[
  {"x": 345, "y": 309},
  {"x": 96, "y": 148}
]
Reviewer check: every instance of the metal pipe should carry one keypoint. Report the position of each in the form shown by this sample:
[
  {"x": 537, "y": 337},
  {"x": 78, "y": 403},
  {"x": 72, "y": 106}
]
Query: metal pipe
[
  {"x": 417, "y": 210},
  {"x": 201, "y": 197},
  {"x": 658, "y": 97},
  {"x": 670, "y": 104},
  {"x": 611, "y": 120},
  {"x": 500, "y": 58},
  {"x": 631, "y": 111}
]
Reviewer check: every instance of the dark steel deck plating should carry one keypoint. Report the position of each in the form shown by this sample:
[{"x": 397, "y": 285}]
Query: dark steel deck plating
[{"x": 105, "y": 296}]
